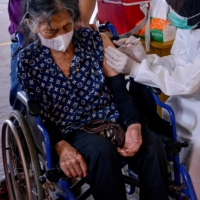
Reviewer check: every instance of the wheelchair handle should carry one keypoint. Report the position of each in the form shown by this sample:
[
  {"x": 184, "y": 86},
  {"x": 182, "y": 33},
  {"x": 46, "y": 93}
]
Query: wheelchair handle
[
  {"x": 156, "y": 90},
  {"x": 184, "y": 144},
  {"x": 20, "y": 39},
  {"x": 109, "y": 26}
]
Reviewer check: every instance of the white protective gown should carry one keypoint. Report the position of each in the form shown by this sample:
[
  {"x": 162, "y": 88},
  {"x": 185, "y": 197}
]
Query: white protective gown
[{"x": 178, "y": 75}]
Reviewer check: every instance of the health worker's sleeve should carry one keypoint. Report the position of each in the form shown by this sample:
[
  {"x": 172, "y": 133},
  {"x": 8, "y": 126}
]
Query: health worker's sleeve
[
  {"x": 173, "y": 74},
  {"x": 178, "y": 81}
]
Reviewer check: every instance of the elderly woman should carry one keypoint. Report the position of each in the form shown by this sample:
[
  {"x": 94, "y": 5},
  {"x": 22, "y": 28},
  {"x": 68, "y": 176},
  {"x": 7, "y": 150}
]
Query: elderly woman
[{"x": 65, "y": 71}]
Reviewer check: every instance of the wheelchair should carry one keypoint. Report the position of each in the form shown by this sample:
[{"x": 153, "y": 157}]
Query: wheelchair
[
  {"x": 30, "y": 171},
  {"x": 31, "y": 168}
]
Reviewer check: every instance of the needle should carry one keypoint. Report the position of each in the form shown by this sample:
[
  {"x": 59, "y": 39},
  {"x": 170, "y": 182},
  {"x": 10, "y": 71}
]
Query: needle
[{"x": 124, "y": 45}]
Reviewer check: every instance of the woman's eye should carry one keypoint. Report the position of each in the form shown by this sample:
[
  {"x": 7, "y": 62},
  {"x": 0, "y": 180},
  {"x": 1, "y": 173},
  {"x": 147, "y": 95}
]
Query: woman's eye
[
  {"x": 51, "y": 31},
  {"x": 68, "y": 26}
]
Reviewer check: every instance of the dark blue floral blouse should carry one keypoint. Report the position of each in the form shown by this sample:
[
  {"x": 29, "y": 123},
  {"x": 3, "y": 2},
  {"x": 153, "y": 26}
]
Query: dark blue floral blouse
[{"x": 73, "y": 101}]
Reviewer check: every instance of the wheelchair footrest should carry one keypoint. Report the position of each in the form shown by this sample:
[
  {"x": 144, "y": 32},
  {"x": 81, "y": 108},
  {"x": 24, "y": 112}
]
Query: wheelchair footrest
[{"x": 131, "y": 181}]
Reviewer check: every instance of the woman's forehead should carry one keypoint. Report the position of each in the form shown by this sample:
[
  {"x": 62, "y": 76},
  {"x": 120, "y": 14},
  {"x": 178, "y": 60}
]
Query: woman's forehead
[
  {"x": 57, "y": 20},
  {"x": 64, "y": 14}
]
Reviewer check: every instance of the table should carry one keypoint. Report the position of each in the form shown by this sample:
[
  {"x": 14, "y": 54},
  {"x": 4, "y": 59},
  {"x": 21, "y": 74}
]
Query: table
[{"x": 159, "y": 48}]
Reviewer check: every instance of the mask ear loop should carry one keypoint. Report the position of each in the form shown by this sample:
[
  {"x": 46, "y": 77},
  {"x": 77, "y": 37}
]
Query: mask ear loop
[
  {"x": 197, "y": 24},
  {"x": 27, "y": 13},
  {"x": 194, "y": 16}
]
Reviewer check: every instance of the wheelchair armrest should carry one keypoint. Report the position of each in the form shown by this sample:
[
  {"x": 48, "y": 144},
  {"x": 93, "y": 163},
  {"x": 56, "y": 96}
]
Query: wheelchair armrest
[
  {"x": 156, "y": 90},
  {"x": 31, "y": 104},
  {"x": 33, "y": 108},
  {"x": 20, "y": 39},
  {"x": 34, "y": 119}
]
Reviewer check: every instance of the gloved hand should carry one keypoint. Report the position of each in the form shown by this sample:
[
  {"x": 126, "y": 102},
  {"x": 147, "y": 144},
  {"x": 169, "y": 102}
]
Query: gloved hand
[
  {"x": 132, "y": 47},
  {"x": 120, "y": 61}
]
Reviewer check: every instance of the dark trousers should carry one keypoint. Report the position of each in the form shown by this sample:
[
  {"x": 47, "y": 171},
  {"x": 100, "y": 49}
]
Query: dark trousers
[{"x": 104, "y": 163}]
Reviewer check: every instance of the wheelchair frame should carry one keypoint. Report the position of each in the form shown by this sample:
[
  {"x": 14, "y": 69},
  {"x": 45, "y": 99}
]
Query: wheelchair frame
[
  {"x": 181, "y": 176},
  {"x": 43, "y": 167},
  {"x": 17, "y": 122},
  {"x": 27, "y": 169}
]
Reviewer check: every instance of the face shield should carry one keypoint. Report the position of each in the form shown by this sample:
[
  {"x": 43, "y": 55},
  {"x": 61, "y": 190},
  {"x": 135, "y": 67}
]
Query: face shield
[{"x": 186, "y": 13}]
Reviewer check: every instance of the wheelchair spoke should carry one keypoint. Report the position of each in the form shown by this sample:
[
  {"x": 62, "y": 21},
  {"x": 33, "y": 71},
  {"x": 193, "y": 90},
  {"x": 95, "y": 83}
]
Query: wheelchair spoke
[{"x": 20, "y": 158}]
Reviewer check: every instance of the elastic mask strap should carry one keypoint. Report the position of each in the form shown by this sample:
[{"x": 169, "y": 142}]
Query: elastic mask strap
[
  {"x": 197, "y": 24},
  {"x": 27, "y": 6},
  {"x": 194, "y": 16},
  {"x": 27, "y": 14}
]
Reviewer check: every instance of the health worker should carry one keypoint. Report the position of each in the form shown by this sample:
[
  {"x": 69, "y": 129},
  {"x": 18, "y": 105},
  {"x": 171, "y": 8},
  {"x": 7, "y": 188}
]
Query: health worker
[{"x": 177, "y": 75}]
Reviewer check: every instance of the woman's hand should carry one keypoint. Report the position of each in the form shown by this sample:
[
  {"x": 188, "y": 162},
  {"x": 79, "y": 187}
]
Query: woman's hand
[
  {"x": 71, "y": 161},
  {"x": 133, "y": 141}
]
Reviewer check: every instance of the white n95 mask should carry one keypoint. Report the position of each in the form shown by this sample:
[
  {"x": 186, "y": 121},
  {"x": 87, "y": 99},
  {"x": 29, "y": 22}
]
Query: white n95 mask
[{"x": 59, "y": 43}]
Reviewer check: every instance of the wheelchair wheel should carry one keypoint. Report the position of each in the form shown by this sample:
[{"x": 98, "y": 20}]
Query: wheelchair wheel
[{"x": 20, "y": 160}]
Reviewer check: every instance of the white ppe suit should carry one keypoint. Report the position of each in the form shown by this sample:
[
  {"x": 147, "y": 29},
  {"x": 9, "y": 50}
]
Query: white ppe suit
[{"x": 178, "y": 75}]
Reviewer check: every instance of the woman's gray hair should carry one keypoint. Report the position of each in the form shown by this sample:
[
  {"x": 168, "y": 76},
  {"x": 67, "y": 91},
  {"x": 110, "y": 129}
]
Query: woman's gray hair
[{"x": 39, "y": 11}]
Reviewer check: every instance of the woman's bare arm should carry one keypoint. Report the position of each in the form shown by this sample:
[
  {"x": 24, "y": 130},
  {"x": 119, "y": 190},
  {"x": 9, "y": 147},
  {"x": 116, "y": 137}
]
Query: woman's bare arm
[{"x": 107, "y": 69}]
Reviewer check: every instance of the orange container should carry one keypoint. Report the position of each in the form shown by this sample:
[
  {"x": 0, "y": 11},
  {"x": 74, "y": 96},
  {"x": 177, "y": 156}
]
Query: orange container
[{"x": 123, "y": 14}]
